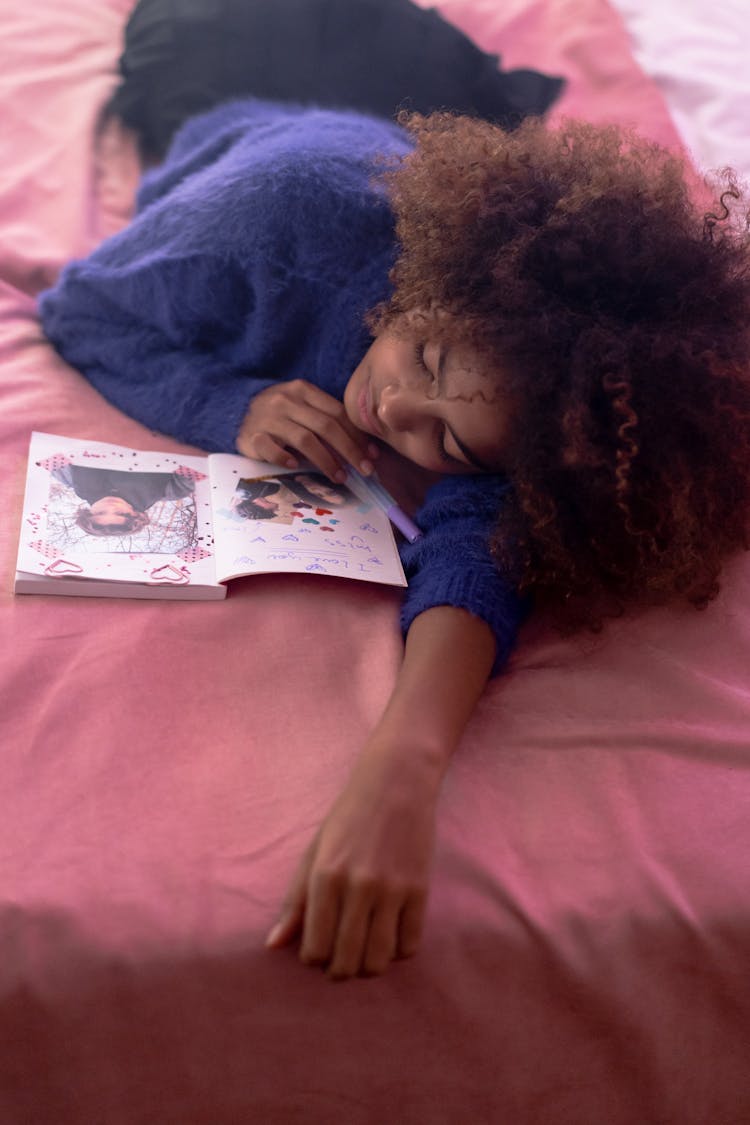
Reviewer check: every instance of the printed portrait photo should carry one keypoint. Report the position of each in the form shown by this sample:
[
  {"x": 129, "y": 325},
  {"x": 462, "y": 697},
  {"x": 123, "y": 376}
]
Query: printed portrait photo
[
  {"x": 93, "y": 509},
  {"x": 284, "y": 499}
]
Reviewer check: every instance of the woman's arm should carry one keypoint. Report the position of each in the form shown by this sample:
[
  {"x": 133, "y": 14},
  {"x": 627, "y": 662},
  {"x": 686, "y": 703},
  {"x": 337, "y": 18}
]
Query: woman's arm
[
  {"x": 226, "y": 283},
  {"x": 359, "y": 894},
  {"x": 154, "y": 330}
]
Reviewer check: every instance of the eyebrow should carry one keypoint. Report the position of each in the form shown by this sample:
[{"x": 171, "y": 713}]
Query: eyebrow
[{"x": 470, "y": 457}]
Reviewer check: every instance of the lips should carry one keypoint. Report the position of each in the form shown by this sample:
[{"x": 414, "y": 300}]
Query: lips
[{"x": 366, "y": 411}]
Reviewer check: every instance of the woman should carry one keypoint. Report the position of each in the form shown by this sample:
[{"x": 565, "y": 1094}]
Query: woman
[
  {"x": 541, "y": 318},
  {"x": 263, "y": 500},
  {"x": 117, "y": 502}
]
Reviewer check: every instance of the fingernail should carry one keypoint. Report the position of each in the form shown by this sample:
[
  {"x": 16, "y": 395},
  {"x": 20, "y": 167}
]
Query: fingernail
[
  {"x": 340, "y": 476},
  {"x": 274, "y": 934},
  {"x": 366, "y": 467}
]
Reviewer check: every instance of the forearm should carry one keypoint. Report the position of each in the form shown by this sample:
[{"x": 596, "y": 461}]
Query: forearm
[
  {"x": 133, "y": 332},
  {"x": 448, "y": 658},
  {"x": 360, "y": 891}
]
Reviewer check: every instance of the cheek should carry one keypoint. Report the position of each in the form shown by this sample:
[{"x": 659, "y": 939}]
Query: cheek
[{"x": 418, "y": 450}]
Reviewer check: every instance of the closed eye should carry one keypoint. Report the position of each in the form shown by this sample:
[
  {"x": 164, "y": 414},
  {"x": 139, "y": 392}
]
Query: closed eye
[
  {"x": 442, "y": 430},
  {"x": 419, "y": 350}
]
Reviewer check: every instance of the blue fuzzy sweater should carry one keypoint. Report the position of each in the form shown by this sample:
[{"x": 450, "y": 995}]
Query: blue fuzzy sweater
[{"x": 257, "y": 248}]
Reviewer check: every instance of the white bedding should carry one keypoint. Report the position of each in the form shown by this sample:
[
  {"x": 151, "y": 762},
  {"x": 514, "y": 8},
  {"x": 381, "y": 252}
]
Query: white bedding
[{"x": 698, "y": 53}]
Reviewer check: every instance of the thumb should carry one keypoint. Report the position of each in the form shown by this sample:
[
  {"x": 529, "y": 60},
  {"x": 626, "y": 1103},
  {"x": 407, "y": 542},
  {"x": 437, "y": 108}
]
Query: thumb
[
  {"x": 288, "y": 925},
  {"x": 292, "y": 913}
]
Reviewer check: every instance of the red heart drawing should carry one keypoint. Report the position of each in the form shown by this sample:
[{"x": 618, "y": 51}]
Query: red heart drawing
[
  {"x": 62, "y": 566},
  {"x": 323, "y": 512},
  {"x": 326, "y": 529}
]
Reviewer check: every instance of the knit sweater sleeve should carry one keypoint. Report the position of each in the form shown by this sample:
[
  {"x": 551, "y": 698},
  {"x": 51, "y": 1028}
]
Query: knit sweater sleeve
[
  {"x": 145, "y": 336},
  {"x": 221, "y": 285},
  {"x": 452, "y": 563}
]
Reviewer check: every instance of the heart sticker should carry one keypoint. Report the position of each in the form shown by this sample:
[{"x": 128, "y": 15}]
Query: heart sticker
[
  {"x": 170, "y": 574},
  {"x": 323, "y": 512},
  {"x": 62, "y": 566}
]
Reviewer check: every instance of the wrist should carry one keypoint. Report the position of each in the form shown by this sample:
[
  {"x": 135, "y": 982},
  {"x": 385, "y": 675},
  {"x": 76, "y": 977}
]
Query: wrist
[
  {"x": 421, "y": 757},
  {"x": 447, "y": 661}
]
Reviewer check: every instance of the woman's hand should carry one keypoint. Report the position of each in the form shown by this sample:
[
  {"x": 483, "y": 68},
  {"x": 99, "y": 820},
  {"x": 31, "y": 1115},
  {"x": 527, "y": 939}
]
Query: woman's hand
[
  {"x": 359, "y": 894},
  {"x": 298, "y": 418}
]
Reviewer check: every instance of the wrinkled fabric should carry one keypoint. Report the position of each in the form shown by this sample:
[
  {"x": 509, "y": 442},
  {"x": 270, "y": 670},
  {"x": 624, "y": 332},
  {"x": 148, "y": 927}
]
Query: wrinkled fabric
[{"x": 164, "y": 765}]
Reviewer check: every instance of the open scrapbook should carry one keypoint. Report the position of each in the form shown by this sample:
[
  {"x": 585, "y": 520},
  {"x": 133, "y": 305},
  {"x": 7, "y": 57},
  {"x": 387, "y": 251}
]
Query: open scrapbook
[{"x": 107, "y": 521}]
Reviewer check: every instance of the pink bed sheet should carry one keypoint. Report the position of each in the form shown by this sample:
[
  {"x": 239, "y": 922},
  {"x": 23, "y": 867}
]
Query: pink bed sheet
[{"x": 585, "y": 958}]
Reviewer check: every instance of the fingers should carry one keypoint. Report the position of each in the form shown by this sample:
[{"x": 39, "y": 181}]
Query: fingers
[
  {"x": 319, "y": 935},
  {"x": 262, "y": 447},
  {"x": 359, "y": 928},
  {"x": 324, "y": 451},
  {"x": 293, "y": 910},
  {"x": 297, "y": 419},
  {"x": 286, "y": 928},
  {"x": 352, "y": 933},
  {"x": 381, "y": 945},
  {"x": 410, "y": 925}
]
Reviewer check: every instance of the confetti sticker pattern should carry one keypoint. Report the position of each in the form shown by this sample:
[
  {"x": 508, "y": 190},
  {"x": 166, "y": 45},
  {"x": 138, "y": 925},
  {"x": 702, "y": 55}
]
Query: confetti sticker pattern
[
  {"x": 191, "y": 474},
  {"x": 193, "y": 554},
  {"x": 45, "y": 549},
  {"x": 56, "y": 461}
]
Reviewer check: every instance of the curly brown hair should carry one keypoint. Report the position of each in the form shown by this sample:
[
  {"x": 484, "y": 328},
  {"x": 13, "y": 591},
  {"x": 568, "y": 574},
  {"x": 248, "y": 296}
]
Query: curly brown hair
[{"x": 615, "y": 315}]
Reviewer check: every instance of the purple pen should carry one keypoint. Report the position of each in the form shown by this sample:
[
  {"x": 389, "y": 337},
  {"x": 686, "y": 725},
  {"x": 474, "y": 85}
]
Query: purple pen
[{"x": 374, "y": 490}]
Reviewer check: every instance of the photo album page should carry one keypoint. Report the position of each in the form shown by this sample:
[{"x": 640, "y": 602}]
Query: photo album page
[{"x": 106, "y": 520}]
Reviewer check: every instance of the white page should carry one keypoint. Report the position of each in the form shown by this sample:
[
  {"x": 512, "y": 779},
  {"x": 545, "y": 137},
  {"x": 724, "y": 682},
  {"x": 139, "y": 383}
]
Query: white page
[
  {"x": 291, "y": 528},
  {"x": 173, "y": 548}
]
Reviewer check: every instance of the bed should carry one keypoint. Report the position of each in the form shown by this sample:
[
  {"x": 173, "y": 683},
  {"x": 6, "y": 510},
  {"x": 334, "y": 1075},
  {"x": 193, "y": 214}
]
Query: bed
[{"x": 165, "y": 763}]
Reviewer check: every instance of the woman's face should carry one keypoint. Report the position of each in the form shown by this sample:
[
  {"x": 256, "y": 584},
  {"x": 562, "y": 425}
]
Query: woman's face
[
  {"x": 433, "y": 404},
  {"x": 281, "y": 503},
  {"x": 267, "y": 503},
  {"x": 111, "y": 511},
  {"x": 321, "y": 488}
]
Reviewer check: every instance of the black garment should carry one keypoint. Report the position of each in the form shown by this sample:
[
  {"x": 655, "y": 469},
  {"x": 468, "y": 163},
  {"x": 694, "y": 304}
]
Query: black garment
[
  {"x": 140, "y": 490},
  {"x": 184, "y": 56}
]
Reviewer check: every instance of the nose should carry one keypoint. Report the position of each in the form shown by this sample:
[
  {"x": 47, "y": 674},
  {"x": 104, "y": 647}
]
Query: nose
[{"x": 398, "y": 407}]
